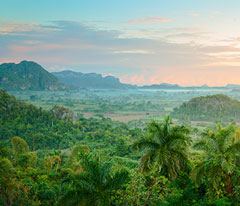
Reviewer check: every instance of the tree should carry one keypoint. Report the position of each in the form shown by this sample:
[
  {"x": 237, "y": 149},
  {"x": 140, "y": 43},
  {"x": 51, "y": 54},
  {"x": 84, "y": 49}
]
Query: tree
[
  {"x": 165, "y": 148},
  {"x": 23, "y": 157},
  {"x": 62, "y": 113},
  {"x": 77, "y": 153},
  {"x": 94, "y": 185},
  {"x": 220, "y": 158},
  {"x": 143, "y": 189},
  {"x": 6, "y": 182},
  {"x": 121, "y": 148},
  {"x": 19, "y": 146}
]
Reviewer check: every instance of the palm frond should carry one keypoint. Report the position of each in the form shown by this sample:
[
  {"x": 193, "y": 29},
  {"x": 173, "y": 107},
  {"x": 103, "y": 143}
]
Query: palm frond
[
  {"x": 198, "y": 172},
  {"x": 145, "y": 143},
  {"x": 119, "y": 179},
  {"x": 146, "y": 162},
  {"x": 69, "y": 198}
]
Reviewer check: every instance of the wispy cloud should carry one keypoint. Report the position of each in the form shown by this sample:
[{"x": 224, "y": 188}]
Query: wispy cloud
[
  {"x": 194, "y": 15},
  {"x": 14, "y": 27},
  {"x": 216, "y": 12},
  {"x": 137, "y": 60},
  {"x": 47, "y": 47},
  {"x": 132, "y": 52},
  {"x": 148, "y": 20},
  {"x": 213, "y": 14}
]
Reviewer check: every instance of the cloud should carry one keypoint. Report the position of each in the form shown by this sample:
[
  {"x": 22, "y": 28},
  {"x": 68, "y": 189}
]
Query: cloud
[
  {"x": 137, "y": 60},
  {"x": 194, "y": 15},
  {"x": 132, "y": 52},
  {"x": 32, "y": 42},
  {"x": 148, "y": 20},
  {"x": 178, "y": 35},
  {"x": 53, "y": 68},
  {"x": 17, "y": 27},
  {"x": 213, "y": 14},
  {"x": 216, "y": 12},
  {"x": 47, "y": 47}
]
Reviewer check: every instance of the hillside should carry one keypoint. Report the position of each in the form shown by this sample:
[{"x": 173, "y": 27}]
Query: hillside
[
  {"x": 209, "y": 108},
  {"x": 55, "y": 128},
  {"x": 90, "y": 80},
  {"x": 27, "y": 75}
]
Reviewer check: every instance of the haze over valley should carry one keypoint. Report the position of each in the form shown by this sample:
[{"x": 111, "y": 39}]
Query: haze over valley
[{"x": 124, "y": 103}]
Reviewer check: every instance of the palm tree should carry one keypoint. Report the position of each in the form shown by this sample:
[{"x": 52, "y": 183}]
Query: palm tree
[
  {"x": 165, "y": 148},
  {"x": 94, "y": 184},
  {"x": 220, "y": 156}
]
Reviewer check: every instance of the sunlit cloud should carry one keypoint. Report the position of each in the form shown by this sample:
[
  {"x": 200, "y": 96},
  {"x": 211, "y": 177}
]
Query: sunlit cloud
[
  {"x": 133, "y": 52},
  {"x": 108, "y": 74},
  {"x": 216, "y": 12},
  {"x": 194, "y": 15},
  {"x": 213, "y": 14},
  {"x": 198, "y": 35},
  {"x": 45, "y": 47},
  {"x": 31, "y": 42},
  {"x": 8, "y": 27},
  {"x": 147, "y": 20},
  {"x": 52, "y": 68},
  {"x": 134, "y": 59}
]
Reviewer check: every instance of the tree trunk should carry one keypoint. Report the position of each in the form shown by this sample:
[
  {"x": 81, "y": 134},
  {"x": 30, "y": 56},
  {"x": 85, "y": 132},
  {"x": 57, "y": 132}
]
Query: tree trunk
[
  {"x": 229, "y": 185},
  {"x": 8, "y": 202}
]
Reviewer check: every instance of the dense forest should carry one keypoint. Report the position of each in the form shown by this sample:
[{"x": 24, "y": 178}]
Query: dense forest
[
  {"x": 209, "y": 108},
  {"x": 58, "y": 128},
  {"x": 54, "y": 157}
]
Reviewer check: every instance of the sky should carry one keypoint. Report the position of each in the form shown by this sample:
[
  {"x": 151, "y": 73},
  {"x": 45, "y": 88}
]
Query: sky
[{"x": 143, "y": 42}]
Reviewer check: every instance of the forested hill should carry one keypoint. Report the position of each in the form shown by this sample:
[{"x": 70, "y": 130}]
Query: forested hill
[
  {"x": 55, "y": 128},
  {"x": 27, "y": 75},
  {"x": 209, "y": 108},
  {"x": 91, "y": 80}
]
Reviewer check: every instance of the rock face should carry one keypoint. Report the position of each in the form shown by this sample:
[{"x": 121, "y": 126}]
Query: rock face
[
  {"x": 27, "y": 75},
  {"x": 90, "y": 80}
]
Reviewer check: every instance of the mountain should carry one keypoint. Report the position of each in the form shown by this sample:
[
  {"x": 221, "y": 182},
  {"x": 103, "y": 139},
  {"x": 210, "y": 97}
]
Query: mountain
[
  {"x": 209, "y": 108},
  {"x": 27, "y": 75},
  {"x": 205, "y": 86},
  {"x": 161, "y": 86},
  {"x": 90, "y": 80},
  {"x": 232, "y": 86},
  {"x": 174, "y": 86}
]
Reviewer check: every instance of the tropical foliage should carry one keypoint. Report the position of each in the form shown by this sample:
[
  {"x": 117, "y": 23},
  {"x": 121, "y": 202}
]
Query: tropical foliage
[
  {"x": 53, "y": 158},
  {"x": 219, "y": 164},
  {"x": 93, "y": 184},
  {"x": 209, "y": 108},
  {"x": 165, "y": 148}
]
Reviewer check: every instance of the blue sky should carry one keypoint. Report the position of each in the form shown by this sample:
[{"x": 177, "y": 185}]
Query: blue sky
[{"x": 189, "y": 42}]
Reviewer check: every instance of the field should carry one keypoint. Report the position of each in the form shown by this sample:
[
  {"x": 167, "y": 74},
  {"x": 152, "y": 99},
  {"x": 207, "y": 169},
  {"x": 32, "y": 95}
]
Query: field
[{"x": 134, "y": 106}]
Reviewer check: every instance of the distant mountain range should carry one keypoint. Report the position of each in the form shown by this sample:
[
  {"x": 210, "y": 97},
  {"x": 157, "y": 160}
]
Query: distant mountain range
[
  {"x": 28, "y": 75},
  {"x": 161, "y": 86},
  {"x": 91, "y": 80}
]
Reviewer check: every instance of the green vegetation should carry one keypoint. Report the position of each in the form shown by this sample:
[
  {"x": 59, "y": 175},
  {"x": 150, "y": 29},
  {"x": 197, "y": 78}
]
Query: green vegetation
[
  {"x": 165, "y": 149},
  {"x": 55, "y": 157},
  {"x": 55, "y": 128},
  {"x": 27, "y": 76},
  {"x": 209, "y": 108},
  {"x": 94, "y": 185},
  {"x": 219, "y": 160}
]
